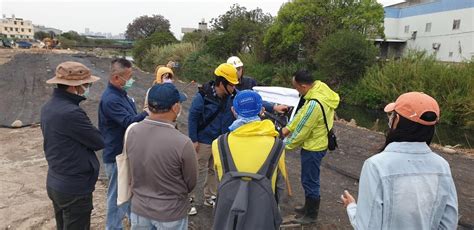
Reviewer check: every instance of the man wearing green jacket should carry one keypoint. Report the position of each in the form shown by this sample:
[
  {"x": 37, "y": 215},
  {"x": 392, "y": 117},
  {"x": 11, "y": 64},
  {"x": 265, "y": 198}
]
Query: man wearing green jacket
[{"x": 308, "y": 130}]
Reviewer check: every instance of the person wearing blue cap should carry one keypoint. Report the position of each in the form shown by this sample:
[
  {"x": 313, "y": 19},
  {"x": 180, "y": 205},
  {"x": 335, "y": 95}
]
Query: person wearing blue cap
[
  {"x": 163, "y": 164},
  {"x": 250, "y": 141}
]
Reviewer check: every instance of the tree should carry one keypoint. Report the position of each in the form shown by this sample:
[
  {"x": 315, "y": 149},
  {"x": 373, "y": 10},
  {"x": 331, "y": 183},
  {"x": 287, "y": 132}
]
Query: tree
[
  {"x": 302, "y": 24},
  {"x": 40, "y": 35},
  {"x": 142, "y": 46},
  {"x": 195, "y": 37},
  {"x": 238, "y": 30},
  {"x": 145, "y": 26},
  {"x": 345, "y": 55}
]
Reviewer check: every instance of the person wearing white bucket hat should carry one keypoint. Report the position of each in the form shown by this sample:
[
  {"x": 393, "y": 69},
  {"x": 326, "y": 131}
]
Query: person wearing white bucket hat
[{"x": 70, "y": 140}]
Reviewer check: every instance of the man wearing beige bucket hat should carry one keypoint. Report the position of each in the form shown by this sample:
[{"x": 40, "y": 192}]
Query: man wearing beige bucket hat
[{"x": 70, "y": 140}]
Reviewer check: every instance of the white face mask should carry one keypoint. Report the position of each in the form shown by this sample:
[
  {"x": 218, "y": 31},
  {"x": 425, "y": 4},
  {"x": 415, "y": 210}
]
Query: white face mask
[
  {"x": 167, "y": 80},
  {"x": 86, "y": 91}
]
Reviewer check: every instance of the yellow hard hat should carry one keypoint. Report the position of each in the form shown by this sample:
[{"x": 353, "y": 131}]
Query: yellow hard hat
[{"x": 227, "y": 71}]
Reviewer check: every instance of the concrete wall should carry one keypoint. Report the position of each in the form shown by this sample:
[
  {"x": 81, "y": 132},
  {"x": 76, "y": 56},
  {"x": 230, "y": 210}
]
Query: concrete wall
[{"x": 456, "y": 45}]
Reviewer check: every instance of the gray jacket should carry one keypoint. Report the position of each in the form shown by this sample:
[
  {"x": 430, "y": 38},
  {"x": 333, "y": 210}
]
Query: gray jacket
[
  {"x": 163, "y": 165},
  {"x": 407, "y": 186}
]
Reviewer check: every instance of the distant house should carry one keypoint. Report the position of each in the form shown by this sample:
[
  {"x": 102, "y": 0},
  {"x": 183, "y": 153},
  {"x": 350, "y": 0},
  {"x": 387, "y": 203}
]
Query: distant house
[
  {"x": 202, "y": 26},
  {"x": 16, "y": 28},
  {"x": 444, "y": 28}
]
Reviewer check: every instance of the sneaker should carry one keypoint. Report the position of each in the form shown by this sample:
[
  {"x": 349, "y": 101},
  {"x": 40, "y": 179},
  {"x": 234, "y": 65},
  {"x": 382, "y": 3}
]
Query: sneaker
[
  {"x": 192, "y": 210},
  {"x": 211, "y": 201}
]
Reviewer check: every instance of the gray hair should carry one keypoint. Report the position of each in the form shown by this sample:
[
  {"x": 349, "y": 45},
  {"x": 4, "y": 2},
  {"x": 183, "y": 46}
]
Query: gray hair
[{"x": 119, "y": 66}]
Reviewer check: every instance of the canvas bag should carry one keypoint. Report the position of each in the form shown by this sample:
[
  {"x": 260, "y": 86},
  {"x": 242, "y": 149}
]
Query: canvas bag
[
  {"x": 124, "y": 177},
  {"x": 246, "y": 200}
]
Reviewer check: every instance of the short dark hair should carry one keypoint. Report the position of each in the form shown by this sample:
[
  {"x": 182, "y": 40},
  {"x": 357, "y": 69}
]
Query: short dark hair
[
  {"x": 219, "y": 80},
  {"x": 124, "y": 63},
  {"x": 303, "y": 76}
]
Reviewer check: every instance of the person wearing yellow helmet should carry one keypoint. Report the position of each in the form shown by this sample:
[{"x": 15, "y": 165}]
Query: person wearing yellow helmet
[
  {"x": 210, "y": 115},
  {"x": 246, "y": 82}
]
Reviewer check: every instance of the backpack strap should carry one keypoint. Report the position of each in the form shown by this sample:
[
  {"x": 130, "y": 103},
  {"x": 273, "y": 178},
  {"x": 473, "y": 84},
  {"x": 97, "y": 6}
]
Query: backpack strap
[
  {"x": 269, "y": 166},
  {"x": 324, "y": 114},
  {"x": 228, "y": 164}
]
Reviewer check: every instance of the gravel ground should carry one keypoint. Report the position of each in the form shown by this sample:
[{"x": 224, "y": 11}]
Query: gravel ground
[{"x": 25, "y": 205}]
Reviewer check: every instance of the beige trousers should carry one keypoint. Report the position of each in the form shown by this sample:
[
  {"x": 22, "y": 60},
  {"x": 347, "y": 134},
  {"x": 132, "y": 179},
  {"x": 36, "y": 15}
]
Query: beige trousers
[{"x": 207, "y": 174}]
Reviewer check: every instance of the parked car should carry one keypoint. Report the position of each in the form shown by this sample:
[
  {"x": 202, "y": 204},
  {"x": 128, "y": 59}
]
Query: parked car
[{"x": 24, "y": 45}]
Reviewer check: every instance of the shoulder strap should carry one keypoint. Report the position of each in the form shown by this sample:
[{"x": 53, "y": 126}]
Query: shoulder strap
[
  {"x": 124, "y": 150},
  {"x": 211, "y": 118},
  {"x": 324, "y": 114},
  {"x": 270, "y": 163},
  {"x": 228, "y": 164}
]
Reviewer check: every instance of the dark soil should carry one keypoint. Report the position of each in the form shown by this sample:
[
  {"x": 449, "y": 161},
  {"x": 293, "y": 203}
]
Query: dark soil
[{"x": 23, "y": 91}]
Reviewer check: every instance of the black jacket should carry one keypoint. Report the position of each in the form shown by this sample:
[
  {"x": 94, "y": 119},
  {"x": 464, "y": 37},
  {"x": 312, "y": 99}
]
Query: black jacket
[{"x": 70, "y": 140}]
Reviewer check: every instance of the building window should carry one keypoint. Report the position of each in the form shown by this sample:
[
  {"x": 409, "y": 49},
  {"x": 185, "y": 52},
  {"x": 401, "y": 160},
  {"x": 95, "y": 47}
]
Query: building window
[
  {"x": 456, "y": 24},
  {"x": 428, "y": 27},
  {"x": 407, "y": 29},
  {"x": 27, "y": 36},
  {"x": 11, "y": 28},
  {"x": 450, "y": 54},
  {"x": 22, "y": 30},
  {"x": 21, "y": 23},
  {"x": 16, "y": 29},
  {"x": 12, "y": 36},
  {"x": 29, "y": 30},
  {"x": 14, "y": 22},
  {"x": 6, "y": 28}
]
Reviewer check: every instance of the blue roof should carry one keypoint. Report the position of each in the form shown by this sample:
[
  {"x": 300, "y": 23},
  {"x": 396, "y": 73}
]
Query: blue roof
[{"x": 427, "y": 8}]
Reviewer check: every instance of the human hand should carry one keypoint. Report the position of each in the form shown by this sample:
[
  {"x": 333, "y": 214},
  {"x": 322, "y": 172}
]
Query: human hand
[
  {"x": 196, "y": 146},
  {"x": 280, "y": 108},
  {"x": 347, "y": 198},
  {"x": 285, "y": 132}
]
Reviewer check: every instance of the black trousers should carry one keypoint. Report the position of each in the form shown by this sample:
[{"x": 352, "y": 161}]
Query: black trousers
[{"x": 72, "y": 212}]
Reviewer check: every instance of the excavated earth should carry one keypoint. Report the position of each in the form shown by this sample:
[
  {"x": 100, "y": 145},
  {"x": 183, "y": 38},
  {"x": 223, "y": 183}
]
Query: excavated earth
[{"x": 23, "y": 200}]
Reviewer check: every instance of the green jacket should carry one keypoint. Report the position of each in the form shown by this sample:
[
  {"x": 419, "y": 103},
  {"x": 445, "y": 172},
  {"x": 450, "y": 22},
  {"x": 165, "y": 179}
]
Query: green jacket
[{"x": 307, "y": 128}]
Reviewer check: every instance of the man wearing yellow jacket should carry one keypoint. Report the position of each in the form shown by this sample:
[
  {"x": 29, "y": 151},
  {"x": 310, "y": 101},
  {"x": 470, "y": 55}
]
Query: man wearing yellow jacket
[
  {"x": 308, "y": 130},
  {"x": 250, "y": 140}
]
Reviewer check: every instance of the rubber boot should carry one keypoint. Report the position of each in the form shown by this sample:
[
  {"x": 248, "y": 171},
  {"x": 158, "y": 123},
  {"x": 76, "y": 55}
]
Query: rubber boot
[
  {"x": 311, "y": 213},
  {"x": 300, "y": 210}
]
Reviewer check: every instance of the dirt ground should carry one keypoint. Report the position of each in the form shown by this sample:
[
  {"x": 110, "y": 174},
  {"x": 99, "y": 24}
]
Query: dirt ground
[{"x": 25, "y": 205}]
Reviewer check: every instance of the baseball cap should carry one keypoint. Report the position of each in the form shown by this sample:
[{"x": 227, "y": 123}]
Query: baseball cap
[
  {"x": 164, "y": 96},
  {"x": 413, "y": 105},
  {"x": 72, "y": 74},
  {"x": 247, "y": 103}
]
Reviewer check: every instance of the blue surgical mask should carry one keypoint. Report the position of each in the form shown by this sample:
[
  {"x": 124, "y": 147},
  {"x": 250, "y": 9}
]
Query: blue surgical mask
[{"x": 86, "y": 91}]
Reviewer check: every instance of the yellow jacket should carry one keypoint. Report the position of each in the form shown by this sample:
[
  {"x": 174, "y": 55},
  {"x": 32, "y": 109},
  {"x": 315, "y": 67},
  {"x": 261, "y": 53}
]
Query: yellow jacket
[
  {"x": 307, "y": 128},
  {"x": 250, "y": 145}
]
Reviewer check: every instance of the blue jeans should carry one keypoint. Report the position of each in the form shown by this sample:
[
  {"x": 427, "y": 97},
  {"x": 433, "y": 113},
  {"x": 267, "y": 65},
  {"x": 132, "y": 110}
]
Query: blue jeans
[
  {"x": 310, "y": 170},
  {"x": 143, "y": 223},
  {"x": 115, "y": 214}
]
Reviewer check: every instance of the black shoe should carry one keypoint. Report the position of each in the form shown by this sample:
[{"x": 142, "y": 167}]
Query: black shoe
[
  {"x": 311, "y": 213},
  {"x": 300, "y": 210}
]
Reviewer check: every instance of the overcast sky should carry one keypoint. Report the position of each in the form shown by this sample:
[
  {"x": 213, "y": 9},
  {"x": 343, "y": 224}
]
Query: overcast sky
[{"x": 109, "y": 16}]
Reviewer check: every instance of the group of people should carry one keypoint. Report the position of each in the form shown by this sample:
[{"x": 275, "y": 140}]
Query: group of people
[{"x": 238, "y": 158}]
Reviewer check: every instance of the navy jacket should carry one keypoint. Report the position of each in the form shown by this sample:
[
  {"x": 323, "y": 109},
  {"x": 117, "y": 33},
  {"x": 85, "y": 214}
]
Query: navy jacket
[
  {"x": 116, "y": 112},
  {"x": 204, "y": 105},
  {"x": 70, "y": 140},
  {"x": 246, "y": 82}
]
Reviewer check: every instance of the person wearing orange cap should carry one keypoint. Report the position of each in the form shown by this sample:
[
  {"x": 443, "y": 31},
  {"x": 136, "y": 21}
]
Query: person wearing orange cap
[
  {"x": 70, "y": 140},
  {"x": 407, "y": 185}
]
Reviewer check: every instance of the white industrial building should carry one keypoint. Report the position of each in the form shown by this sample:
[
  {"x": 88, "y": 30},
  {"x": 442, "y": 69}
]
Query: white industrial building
[{"x": 444, "y": 28}]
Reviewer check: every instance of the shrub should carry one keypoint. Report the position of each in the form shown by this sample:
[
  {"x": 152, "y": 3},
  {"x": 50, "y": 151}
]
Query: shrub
[
  {"x": 345, "y": 55},
  {"x": 450, "y": 84},
  {"x": 161, "y": 55},
  {"x": 199, "y": 66}
]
